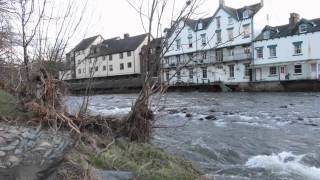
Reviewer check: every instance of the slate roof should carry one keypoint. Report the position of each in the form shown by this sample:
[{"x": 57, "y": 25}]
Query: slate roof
[
  {"x": 116, "y": 45},
  {"x": 85, "y": 43},
  {"x": 290, "y": 29},
  {"x": 236, "y": 13}
]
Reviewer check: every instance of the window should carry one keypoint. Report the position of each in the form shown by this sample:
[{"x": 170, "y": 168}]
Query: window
[
  {"x": 121, "y": 55},
  {"x": 219, "y": 55},
  {"x": 273, "y": 51},
  {"x": 121, "y": 66},
  {"x": 230, "y": 34},
  {"x": 104, "y": 68},
  {"x": 166, "y": 60},
  {"x": 273, "y": 70},
  {"x": 219, "y": 37},
  {"x": 230, "y": 20},
  {"x": 266, "y": 35},
  {"x": 231, "y": 52},
  {"x": 259, "y": 52},
  {"x": 96, "y": 68},
  {"x": 110, "y": 68},
  {"x": 231, "y": 71},
  {"x": 178, "y": 43},
  {"x": 204, "y": 73},
  {"x": 103, "y": 58},
  {"x": 246, "y": 31},
  {"x": 246, "y": 14},
  {"x": 204, "y": 55},
  {"x": 303, "y": 28},
  {"x": 178, "y": 75},
  {"x": 313, "y": 67},
  {"x": 203, "y": 39},
  {"x": 79, "y": 71},
  {"x": 110, "y": 57},
  {"x": 297, "y": 48},
  {"x": 298, "y": 69},
  {"x": 200, "y": 26},
  {"x": 218, "y": 22},
  {"x": 129, "y": 65},
  {"x": 190, "y": 56},
  {"x": 178, "y": 59},
  {"x": 247, "y": 50},
  {"x": 246, "y": 70},
  {"x": 190, "y": 42},
  {"x": 84, "y": 70},
  {"x": 191, "y": 73},
  {"x": 129, "y": 53}
]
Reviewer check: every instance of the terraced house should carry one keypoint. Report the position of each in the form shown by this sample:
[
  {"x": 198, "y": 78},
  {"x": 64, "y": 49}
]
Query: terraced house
[
  {"x": 214, "y": 49},
  {"x": 288, "y": 52}
]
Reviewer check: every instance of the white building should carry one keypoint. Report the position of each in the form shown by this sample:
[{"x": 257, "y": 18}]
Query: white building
[
  {"x": 214, "y": 49},
  {"x": 288, "y": 52},
  {"x": 111, "y": 57}
]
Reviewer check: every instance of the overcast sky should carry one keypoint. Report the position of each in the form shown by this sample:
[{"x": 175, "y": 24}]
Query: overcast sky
[{"x": 112, "y": 18}]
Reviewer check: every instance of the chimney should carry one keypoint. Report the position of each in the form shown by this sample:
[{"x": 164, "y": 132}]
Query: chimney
[
  {"x": 221, "y": 3},
  {"x": 294, "y": 18},
  {"x": 262, "y": 3},
  {"x": 126, "y": 36}
]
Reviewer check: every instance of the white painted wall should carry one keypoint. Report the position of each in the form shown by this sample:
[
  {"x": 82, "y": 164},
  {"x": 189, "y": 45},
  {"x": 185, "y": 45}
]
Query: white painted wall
[
  {"x": 286, "y": 57},
  {"x": 101, "y": 62}
]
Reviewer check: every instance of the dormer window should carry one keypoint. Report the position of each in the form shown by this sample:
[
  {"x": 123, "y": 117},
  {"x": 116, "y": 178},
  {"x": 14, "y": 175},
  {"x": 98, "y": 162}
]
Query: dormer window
[
  {"x": 218, "y": 22},
  {"x": 303, "y": 28},
  {"x": 246, "y": 14},
  {"x": 266, "y": 35}
]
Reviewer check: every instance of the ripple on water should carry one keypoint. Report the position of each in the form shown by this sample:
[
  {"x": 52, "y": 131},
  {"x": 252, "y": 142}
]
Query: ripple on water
[{"x": 285, "y": 163}]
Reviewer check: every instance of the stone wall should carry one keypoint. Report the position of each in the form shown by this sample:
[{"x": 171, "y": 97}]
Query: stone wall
[{"x": 30, "y": 154}]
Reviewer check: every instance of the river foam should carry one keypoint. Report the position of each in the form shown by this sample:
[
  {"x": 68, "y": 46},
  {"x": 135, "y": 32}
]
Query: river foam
[{"x": 285, "y": 163}]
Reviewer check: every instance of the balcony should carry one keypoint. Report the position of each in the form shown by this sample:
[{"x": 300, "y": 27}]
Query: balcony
[{"x": 237, "y": 57}]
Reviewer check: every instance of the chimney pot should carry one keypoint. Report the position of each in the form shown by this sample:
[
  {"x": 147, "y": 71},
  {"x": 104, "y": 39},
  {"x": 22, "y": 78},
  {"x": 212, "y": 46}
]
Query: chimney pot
[
  {"x": 125, "y": 36},
  {"x": 221, "y": 3}
]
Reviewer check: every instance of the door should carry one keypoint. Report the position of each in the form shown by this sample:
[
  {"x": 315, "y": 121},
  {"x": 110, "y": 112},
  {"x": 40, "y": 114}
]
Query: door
[
  {"x": 258, "y": 74},
  {"x": 314, "y": 72},
  {"x": 282, "y": 73}
]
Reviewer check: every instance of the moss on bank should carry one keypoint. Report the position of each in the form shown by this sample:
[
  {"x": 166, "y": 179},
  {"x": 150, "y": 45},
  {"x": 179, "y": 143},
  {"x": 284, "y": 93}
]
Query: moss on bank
[
  {"x": 144, "y": 160},
  {"x": 8, "y": 105}
]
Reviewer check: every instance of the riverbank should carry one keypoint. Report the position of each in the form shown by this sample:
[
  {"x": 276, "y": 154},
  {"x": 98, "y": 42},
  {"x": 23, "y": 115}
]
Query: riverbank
[{"x": 44, "y": 153}]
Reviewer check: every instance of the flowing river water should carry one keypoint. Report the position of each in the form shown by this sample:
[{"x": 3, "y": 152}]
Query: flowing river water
[{"x": 259, "y": 136}]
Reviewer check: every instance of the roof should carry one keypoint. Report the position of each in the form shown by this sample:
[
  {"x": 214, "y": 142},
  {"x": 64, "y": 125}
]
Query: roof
[
  {"x": 116, "y": 45},
  {"x": 289, "y": 29},
  {"x": 85, "y": 43},
  {"x": 238, "y": 13}
]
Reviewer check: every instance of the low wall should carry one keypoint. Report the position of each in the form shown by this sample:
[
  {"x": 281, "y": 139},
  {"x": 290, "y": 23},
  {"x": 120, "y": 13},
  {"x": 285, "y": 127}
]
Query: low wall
[{"x": 134, "y": 85}]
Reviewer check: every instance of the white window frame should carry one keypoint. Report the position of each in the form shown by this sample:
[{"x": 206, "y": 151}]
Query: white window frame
[{"x": 303, "y": 28}]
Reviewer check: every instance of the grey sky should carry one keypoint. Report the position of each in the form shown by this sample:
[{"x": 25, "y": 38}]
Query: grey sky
[{"x": 115, "y": 17}]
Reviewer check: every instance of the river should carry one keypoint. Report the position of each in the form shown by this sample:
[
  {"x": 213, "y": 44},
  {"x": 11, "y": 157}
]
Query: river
[{"x": 259, "y": 136}]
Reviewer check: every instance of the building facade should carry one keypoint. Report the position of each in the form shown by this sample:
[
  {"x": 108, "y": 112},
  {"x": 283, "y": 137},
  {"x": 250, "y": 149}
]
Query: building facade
[
  {"x": 288, "y": 52},
  {"x": 214, "y": 49}
]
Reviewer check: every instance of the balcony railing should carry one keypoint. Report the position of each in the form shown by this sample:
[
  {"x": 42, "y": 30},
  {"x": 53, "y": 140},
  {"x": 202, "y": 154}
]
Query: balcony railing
[
  {"x": 212, "y": 59},
  {"x": 237, "y": 56}
]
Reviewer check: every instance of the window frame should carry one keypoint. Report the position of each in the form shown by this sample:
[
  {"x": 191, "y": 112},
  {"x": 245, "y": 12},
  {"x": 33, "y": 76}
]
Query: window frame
[
  {"x": 296, "y": 68},
  {"x": 121, "y": 66},
  {"x": 129, "y": 63},
  {"x": 231, "y": 71},
  {"x": 204, "y": 73},
  {"x": 303, "y": 28},
  {"x": 272, "y": 51},
  {"x": 273, "y": 71}
]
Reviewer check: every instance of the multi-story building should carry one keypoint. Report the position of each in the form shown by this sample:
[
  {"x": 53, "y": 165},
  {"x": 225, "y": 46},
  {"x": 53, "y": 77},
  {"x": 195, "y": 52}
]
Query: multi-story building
[
  {"x": 78, "y": 55},
  {"x": 214, "y": 49},
  {"x": 112, "y": 57},
  {"x": 288, "y": 52}
]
